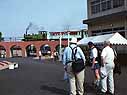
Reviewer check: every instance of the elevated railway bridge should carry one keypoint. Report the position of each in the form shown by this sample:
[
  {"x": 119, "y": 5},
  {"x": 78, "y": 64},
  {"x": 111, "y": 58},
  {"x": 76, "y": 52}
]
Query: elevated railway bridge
[{"x": 29, "y": 48}]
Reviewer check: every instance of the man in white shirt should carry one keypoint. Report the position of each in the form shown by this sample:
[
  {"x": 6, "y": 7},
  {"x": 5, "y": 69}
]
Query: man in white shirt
[{"x": 107, "y": 56}]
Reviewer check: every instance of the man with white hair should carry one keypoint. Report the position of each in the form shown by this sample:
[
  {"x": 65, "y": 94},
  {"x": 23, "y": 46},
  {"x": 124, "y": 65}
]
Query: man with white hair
[
  {"x": 107, "y": 56},
  {"x": 76, "y": 80}
]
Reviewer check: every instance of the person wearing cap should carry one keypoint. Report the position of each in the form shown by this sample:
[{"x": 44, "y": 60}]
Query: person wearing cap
[
  {"x": 76, "y": 80},
  {"x": 107, "y": 56},
  {"x": 95, "y": 64}
]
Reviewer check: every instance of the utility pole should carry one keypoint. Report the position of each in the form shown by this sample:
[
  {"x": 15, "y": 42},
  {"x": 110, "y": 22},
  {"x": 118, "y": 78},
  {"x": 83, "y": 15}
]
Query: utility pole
[
  {"x": 68, "y": 37},
  {"x": 67, "y": 29},
  {"x": 60, "y": 56}
]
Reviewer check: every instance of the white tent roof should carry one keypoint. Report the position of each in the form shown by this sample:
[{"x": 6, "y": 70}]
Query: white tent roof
[{"x": 114, "y": 38}]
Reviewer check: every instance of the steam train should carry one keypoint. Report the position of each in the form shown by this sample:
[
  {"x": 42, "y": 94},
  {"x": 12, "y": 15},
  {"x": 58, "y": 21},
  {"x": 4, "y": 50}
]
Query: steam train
[{"x": 45, "y": 35}]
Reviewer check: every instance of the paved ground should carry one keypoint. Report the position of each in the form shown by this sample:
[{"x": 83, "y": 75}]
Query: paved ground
[{"x": 43, "y": 77}]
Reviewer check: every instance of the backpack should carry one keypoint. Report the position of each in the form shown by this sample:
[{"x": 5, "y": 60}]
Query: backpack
[
  {"x": 117, "y": 69},
  {"x": 77, "y": 64}
]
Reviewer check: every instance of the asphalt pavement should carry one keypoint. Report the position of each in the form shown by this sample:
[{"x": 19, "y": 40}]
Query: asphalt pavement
[{"x": 45, "y": 77}]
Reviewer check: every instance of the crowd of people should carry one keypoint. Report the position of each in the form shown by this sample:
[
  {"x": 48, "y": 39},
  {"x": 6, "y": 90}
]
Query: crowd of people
[{"x": 102, "y": 67}]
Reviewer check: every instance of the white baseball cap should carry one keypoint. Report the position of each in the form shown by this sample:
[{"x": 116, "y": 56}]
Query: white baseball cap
[{"x": 73, "y": 40}]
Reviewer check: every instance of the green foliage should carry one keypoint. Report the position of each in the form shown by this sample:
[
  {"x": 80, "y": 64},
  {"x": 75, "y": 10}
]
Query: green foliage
[
  {"x": 1, "y": 38},
  {"x": 0, "y": 34}
]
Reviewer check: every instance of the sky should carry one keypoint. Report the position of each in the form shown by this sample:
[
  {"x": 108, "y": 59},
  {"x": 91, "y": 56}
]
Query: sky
[{"x": 49, "y": 15}]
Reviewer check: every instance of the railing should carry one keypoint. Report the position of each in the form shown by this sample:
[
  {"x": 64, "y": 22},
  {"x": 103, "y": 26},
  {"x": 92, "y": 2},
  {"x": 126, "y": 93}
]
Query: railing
[{"x": 12, "y": 39}]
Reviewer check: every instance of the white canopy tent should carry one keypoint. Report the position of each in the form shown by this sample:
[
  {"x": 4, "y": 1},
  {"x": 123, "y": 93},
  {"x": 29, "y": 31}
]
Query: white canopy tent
[{"x": 114, "y": 38}]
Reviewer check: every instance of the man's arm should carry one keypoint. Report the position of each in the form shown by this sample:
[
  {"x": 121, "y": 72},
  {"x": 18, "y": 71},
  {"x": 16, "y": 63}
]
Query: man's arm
[
  {"x": 64, "y": 56},
  {"x": 94, "y": 51},
  {"x": 103, "y": 55}
]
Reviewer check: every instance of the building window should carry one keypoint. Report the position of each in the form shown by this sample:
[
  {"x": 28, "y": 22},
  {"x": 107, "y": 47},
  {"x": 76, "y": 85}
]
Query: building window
[
  {"x": 118, "y": 3},
  {"x": 118, "y": 28},
  {"x": 107, "y": 30},
  {"x": 121, "y": 30},
  {"x": 109, "y": 6},
  {"x": 95, "y": 2},
  {"x": 122, "y": 33},
  {"x": 95, "y": 8},
  {"x": 106, "y": 5},
  {"x": 95, "y": 32},
  {"x": 103, "y": 5}
]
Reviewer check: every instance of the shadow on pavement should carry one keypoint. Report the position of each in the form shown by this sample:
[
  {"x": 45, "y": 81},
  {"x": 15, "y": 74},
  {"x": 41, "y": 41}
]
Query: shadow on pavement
[
  {"x": 89, "y": 88},
  {"x": 54, "y": 90}
]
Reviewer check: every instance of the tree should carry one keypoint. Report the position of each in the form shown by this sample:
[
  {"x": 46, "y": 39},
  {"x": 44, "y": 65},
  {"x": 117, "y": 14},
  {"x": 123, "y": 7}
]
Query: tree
[{"x": 1, "y": 38}]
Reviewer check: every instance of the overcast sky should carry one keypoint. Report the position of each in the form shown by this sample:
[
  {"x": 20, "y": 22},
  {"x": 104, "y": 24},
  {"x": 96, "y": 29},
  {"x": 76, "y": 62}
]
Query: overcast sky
[{"x": 50, "y": 15}]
